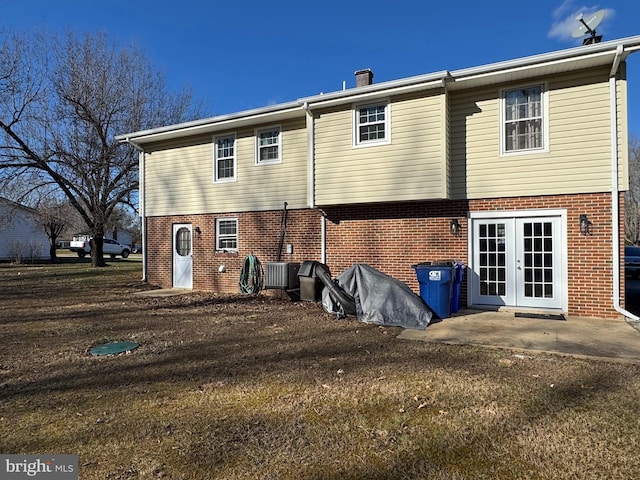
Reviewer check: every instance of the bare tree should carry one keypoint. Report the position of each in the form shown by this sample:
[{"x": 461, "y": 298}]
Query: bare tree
[
  {"x": 52, "y": 218},
  {"x": 632, "y": 197},
  {"x": 62, "y": 101}
]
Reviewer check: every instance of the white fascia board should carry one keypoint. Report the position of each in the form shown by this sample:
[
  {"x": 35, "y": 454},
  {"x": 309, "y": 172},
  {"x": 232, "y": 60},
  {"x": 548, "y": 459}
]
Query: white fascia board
[
  {"x": 378, "y": 90},
  {"x": 531, "y": 70},
  {"x": 273, "y": 113},
  {"x": 575, "y": 54}
]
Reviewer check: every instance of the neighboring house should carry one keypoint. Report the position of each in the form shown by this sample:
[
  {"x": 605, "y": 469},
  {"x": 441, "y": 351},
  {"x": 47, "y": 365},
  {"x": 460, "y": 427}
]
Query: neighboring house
[
  {"x": 122, "y": 236},
  {"x": 517, "y": 168},
  {"x": 22, "y": 236}
]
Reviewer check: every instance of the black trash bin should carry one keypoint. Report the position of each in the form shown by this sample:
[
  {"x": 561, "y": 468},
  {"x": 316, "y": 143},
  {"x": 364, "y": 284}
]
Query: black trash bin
[
  {"x": 310, "y": 284},
  {"x": 435, "y": 282}
]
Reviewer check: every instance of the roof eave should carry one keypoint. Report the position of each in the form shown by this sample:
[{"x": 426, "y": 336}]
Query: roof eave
[
  {"x": 571, "y": 59},
  {"x": 376, "y": 90},
  {"x": 273, "y": 113},
  {"x": 510, "y": 70}
]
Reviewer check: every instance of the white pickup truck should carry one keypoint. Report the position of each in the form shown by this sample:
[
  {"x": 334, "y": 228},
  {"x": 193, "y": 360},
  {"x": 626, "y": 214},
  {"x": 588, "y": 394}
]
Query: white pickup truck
[{"x": 81, "y": 244}]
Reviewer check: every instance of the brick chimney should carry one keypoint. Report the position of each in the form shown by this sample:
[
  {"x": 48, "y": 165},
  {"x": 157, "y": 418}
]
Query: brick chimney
[{"x": 364, "y": 77}]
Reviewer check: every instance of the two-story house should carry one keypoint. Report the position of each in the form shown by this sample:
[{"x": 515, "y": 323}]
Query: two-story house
[{"x": 516, "y": 168}]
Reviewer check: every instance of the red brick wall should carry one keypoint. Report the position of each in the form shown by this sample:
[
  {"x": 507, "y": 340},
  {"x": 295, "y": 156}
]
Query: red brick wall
[
  {"x": 391, "y": 238},
  {"x": 589, "y": 280},
  {"x": 258, "y": 233}
]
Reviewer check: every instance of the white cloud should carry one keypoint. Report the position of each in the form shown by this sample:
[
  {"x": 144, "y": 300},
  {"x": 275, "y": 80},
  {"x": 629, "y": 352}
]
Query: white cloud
[{"x": 565, "y": 22}]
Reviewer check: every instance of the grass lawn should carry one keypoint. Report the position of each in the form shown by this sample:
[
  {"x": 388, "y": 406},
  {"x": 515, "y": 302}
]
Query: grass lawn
[{"x": 233, "y": 387}]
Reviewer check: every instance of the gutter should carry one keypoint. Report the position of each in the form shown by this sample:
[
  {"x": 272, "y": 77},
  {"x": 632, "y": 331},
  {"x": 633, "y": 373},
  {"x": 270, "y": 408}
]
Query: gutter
[
  {"x": 209, "y": 125},
  {"x": 143, "y": 223},
  {"x": 615, "y": 193},
  {"x": 559, "y": 56},
  {"x": 381, "y": 90}
]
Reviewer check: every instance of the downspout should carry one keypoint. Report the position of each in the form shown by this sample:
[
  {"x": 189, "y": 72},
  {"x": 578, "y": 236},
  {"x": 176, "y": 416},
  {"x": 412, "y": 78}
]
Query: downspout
[
  {"x": 323, "y": 242},
  {"x": 311, "y": 184},
  {"x": 615, "y": 194},
  {"x": 141, "y": 201}
]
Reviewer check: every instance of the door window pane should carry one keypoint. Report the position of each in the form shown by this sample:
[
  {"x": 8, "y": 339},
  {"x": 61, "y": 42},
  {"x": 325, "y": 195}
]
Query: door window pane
[
  {"x": 538, "y": 259},
  {"x": 183, "y": 241},
  {"x": 492, "y": 259}
]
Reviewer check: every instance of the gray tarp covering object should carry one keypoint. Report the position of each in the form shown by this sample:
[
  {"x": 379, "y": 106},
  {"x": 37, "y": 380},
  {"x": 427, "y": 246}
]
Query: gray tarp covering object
[{"x": 379, "y": 299}]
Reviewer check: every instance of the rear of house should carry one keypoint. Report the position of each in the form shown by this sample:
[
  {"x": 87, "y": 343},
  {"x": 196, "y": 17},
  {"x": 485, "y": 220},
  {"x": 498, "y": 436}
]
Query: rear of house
[{"x": 496, "y": 166}]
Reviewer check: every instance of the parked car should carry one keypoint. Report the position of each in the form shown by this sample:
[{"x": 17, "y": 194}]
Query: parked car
[
  {"x": 82, "y": 246},
  {"x": 632, "y": 261}
]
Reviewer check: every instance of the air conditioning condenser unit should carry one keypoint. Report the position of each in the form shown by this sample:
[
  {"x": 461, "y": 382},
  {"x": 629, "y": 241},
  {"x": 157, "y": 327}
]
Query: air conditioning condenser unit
[{"x": 282, "y": 275}]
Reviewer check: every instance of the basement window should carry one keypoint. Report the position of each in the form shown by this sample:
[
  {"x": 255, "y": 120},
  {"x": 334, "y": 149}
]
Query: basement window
[{"x": 227, "y": 234}]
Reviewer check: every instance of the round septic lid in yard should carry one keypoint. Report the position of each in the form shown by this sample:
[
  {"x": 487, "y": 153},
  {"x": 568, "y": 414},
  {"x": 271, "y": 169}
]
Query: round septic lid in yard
[{"x": 113, "y": 348}]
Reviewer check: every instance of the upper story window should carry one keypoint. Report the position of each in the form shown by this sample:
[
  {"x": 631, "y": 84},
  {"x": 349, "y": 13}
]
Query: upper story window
[
  {"x": 224, "y": 159},
  {"x": 523, "y": 117},
  {"x": 371, "y": 124},
  {"x": 227, "y": 234},
  {"x": 268, "y": 145}
]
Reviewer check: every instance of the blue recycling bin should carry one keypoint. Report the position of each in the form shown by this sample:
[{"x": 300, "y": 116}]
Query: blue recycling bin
[
  {"x": 435, "y": 287},
  {"x": 456, "y": 285}
]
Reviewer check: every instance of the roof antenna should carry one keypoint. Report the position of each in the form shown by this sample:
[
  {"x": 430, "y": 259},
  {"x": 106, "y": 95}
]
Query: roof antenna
[{"x": 589, "y": 27}]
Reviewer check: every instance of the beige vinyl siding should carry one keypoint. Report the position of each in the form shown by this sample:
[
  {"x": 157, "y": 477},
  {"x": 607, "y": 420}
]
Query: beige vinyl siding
[
  {"x": 411, "y": 167},
  {"x": 446, "y": 125},
  {"x": 623, "y": 129},
  {"x": 179, "y": 176},
  {"x": 578, "y": 157}
]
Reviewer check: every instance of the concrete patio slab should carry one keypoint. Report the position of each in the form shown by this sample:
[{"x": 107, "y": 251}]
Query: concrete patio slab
[{"x": 610, "y": 339}]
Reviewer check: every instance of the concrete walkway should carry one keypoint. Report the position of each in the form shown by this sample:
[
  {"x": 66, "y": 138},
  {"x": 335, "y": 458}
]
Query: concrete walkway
[
  {"x": 606, "y": 339},
  {"x": 164, "y": 292}
]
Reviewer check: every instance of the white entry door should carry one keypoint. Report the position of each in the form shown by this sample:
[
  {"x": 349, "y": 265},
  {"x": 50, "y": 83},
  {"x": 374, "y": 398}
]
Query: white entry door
[
  {"x": 182, "y": 256},
  {"x": 518, "y": 262}
]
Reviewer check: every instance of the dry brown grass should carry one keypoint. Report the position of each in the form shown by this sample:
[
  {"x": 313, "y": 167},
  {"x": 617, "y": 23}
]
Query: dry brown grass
[{"x": 244, "y": 387}]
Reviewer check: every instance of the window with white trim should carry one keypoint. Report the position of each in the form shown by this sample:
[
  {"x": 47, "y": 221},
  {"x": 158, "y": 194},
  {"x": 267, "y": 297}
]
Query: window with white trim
[
  {"x": 523, "y": 117},
  {"x": 371, "y": 124},
  {"x": 224, "y": 159},
  {"x": 268, "y": 145},
  {"x": 227, "y": 234}
]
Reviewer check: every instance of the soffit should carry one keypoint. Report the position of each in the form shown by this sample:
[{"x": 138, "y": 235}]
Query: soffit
[
  {"x": 465, "y": 79},
  {"x": 251, "y": 118}
]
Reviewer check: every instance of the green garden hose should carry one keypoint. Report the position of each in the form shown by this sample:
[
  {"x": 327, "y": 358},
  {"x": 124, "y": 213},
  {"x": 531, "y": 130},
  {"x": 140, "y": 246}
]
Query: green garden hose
[{"x": 251, "y": 276}]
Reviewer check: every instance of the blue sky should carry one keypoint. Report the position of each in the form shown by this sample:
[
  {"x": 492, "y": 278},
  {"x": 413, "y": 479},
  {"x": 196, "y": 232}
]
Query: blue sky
[{"x": 243, "y": 54}]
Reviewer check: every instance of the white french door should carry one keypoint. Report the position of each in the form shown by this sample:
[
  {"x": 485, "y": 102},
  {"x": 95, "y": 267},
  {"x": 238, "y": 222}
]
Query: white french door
[
  {"x": 518, "y": 261},
  {"x": 182, "y": 256}
]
